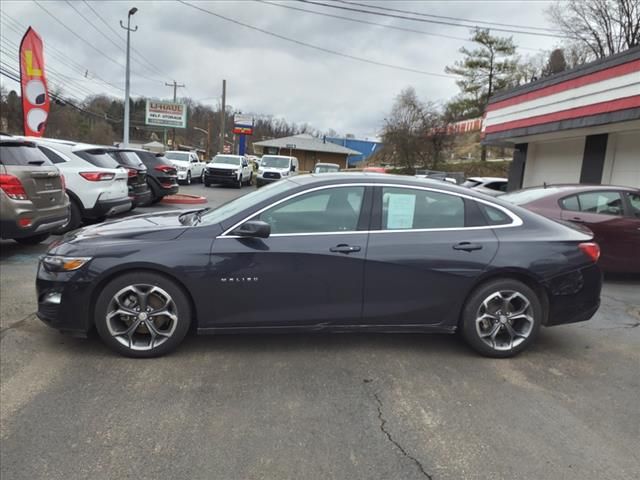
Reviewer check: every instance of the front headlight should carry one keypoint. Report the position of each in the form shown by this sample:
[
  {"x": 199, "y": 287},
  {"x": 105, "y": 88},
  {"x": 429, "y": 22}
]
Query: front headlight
[
  {"x": 182, "y": 169},
  {"x": 260, "y": 171},
  {"x": 284, "y": 174},
  {"x": 56, "y": 263}
]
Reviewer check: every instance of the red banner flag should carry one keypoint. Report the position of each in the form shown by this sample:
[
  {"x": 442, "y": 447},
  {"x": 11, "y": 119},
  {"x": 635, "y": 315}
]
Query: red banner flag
[{"x": 35, "y": 96}]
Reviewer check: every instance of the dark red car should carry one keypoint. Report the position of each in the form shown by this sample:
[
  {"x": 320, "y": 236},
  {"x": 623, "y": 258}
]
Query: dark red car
[{"x": 611, "y": 213}]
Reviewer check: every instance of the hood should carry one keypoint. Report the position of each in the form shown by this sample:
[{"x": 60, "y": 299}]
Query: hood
[
  {"x": 180, "y": 163},
  {"x": 148, "y": 227},
  {"x": 223, "y": 166}
]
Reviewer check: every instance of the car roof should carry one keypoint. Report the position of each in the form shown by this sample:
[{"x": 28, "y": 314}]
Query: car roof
[
  {"x": 73, "y": 146},
  {"x": 327, "y": 164},
  {"x": 488, "y": 179},
  {"x": 556, "y": 188}
]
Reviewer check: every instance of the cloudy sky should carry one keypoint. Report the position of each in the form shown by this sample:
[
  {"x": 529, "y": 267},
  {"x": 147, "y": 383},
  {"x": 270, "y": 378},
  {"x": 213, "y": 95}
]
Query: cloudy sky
[{"x": 84, "y": 51}]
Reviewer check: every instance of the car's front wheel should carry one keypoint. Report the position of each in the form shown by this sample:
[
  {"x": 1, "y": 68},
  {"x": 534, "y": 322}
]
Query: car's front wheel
[
  {"x": 202, "y": 176},
  {"x": 501, "y": 318},
  {"x": 142, "y": 315},
  {"x": 188, "y": 181}
]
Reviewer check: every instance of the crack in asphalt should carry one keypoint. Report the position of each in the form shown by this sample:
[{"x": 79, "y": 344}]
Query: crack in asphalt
[
  {"x": 383, "y": 422},
  {"x": 14, "y": 325}
]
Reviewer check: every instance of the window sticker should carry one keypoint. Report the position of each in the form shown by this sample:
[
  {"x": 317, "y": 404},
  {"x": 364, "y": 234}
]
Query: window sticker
[{"x": 400, "y": 211}]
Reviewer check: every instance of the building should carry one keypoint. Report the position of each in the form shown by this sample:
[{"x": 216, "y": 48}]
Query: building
[
  {"x": 307, "y": 149},
  {"x": 578, "y": 126},
  {"x": 366, "y": 147}
]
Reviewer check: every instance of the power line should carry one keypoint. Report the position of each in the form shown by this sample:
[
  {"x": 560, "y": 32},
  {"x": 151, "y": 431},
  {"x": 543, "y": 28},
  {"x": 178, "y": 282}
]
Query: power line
[
  {"x": 431, "y": 15},
  {"x": 425, "y": 20},
  {"x": 141, "y": 56},
  {"x": 87, "y": 42},
  {"x": 383, "y": 25},
  {"x": 56, "y": 53},
  {"x": 315, "y": 47}
]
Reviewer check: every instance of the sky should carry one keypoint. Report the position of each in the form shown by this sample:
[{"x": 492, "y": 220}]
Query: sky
[{"x": 266, "y": 75}]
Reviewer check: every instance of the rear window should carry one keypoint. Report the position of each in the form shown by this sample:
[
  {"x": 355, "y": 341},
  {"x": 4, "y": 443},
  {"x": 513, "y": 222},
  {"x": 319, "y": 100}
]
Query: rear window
[
  {"x": 21, "y": 154},
  {"x": 183, "y": 157},
  {"x": 523, "y": 197},
  {"x": 98, "y": 158},
  {"x": 470, "y": 183},
  {"x": 129, "y": 159}
]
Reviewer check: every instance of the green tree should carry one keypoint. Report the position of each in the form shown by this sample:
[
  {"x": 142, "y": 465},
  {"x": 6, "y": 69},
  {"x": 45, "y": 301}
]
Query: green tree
[{"x": 484, "y": 70}]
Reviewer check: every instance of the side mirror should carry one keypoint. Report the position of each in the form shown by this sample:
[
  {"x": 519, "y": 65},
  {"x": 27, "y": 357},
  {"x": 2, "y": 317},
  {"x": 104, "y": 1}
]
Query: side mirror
[
  {"x": 253, "y": 229},
  {"x": 293, "y": 168}
]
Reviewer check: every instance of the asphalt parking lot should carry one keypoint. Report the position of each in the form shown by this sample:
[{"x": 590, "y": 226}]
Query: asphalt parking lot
[{"x": 358, "y": 406}]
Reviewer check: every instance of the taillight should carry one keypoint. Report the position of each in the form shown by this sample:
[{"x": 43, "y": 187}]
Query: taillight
[
  {"x": 165, "y": 168},
  {"x": 63, "y": 183},
  {"x": 24, "y": 222},
  {"x": 97, "y": 176},
  {"x": 591, "y": 250},
  {"x": 12, "y": 187},
  {"x": 132, "y": 172}
]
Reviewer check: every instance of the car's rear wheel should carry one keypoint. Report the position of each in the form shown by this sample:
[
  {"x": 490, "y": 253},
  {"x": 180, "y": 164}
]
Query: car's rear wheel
[
  {"x": 501, "y": 318},
  {"x": 75, "y": 219},
  {"x": 34, "y": 240},
  {"x": 142, "y": 315}
]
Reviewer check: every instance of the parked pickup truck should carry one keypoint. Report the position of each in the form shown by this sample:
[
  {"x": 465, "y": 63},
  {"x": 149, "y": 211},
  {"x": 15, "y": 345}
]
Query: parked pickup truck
[
  {"x": 230, "y": 169},
  {"x": 188, "y": 165}
]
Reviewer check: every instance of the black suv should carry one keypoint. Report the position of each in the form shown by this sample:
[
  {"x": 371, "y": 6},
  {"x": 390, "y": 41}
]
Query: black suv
[
  {"x": 139, "y": 191},
  {"x": 162, "y": 176}
]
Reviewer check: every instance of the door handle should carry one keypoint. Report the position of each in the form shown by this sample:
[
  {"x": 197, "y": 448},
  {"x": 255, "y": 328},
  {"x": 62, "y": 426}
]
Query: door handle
[
  {"x": 467, "y": 246},
  {"x": 577, "y": 219},
  {"x": 343, "y": 248}
]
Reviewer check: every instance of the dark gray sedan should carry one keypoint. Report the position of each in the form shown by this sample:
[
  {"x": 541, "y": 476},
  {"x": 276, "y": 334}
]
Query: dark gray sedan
[{"x": 330, "y": 252}]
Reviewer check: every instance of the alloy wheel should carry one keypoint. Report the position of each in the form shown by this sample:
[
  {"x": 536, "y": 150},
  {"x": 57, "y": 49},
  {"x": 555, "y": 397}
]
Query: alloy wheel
[
  {"x": 141, "y": 317},
  {"x": 504, "y": 320}
]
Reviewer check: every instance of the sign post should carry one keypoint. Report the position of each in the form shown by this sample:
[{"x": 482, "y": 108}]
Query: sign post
[{"x": 242, "y": 125}]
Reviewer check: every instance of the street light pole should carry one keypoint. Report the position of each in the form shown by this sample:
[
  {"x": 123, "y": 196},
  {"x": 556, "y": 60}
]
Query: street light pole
[{"x": 125, "y": 133}]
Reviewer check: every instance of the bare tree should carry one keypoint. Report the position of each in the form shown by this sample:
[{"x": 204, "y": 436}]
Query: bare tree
[
  {"x": 605, "y": 27},
  {"x": 415, "y": 132}
]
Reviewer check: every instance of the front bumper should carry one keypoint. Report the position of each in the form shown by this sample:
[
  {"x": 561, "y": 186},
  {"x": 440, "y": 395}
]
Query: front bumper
[
  {"x": 574, "y": 297},
  {"x": 64, "y": 301},
  {"x": 225, "y": 179},
  {"x": 260, "y": 181},
  {"x": 182, "y": 174}
]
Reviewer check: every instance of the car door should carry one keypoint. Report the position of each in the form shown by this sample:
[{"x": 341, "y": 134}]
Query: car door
[
  {"x": 423, "y": 256},
  {"x": 308, "y": 272},
  {"x": 603, "y": 213},
  {"x": 196, "y": 166},
  {"x": 245, "y": 169}
]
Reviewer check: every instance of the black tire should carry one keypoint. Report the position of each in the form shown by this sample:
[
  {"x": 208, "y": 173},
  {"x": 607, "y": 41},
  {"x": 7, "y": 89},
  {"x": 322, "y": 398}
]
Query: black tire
[
  {"x": 188, "y": 180},
  {"x": 497, "y": 291},
  {"x": 207, "y": 184},
  {"x": 75, "y": 219},
  {"x": 202, "y": 176},
  {"x": 177, "y": 295},
  {"x": 239, "y": 182},
  {"x": 34, "y": 240}
]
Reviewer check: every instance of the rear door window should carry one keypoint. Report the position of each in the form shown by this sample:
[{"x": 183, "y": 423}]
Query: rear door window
[
  {"x": 51, "y": 155},
  {"x": 570, "y": 203},
  {"x": 15, "y": 153},
  {"x": 406, "y": 208},
  {"x": 604, "y": 203},
  {"x": 634, "y": 203}
]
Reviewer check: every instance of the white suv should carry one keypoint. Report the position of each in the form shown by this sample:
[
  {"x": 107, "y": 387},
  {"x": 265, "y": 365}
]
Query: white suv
[
  {"x": 228, "y": 169},
  {"x": 96, "y": 184},
  {"x": 188, "y": 165}
]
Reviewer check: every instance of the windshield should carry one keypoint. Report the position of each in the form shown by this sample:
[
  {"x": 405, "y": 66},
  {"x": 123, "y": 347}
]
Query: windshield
[
  {"x": 275, "y": 162},
  {"x": 227, "y": 160},
  {"x": 523, "y": 197},
  {"x": 326, "y": 168},
  {"x": 129, "y": 159},
  {"x": 233, "y": 207},
  {"x": 183, "y": 157}
]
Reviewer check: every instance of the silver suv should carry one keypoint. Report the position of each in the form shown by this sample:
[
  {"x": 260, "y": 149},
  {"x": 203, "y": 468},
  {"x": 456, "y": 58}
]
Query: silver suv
[{"x": 33, "y": 202}]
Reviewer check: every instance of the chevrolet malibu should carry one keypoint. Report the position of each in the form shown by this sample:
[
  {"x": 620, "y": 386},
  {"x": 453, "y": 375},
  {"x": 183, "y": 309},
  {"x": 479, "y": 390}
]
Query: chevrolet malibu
[{"x": 331, "y": 252}]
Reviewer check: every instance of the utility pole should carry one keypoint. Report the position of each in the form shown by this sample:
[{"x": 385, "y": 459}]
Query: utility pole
[
  {"x": 209, "y": 125},
  {"x": 223, "y": 114},
  {"x": 175, "y": 86},
  {"x": 125, "y": 133}
]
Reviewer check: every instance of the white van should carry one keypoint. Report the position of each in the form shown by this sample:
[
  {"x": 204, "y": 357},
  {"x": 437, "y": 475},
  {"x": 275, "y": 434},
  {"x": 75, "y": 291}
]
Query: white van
[{"x": 275, "y": 167}]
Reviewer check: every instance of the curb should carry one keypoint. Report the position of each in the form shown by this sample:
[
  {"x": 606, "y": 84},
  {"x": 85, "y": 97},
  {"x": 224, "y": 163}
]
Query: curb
[{"x": 184, "y": 199}]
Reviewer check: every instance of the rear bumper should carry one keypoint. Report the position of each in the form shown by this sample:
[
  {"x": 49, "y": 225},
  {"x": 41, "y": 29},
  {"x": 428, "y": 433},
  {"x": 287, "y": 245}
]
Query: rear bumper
[
  {"x": 10, "y": 228},
  {"x": 574, "y": 297},
  {"x": 141, "y": 198},
  {"x": 108, "y": 208}
]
